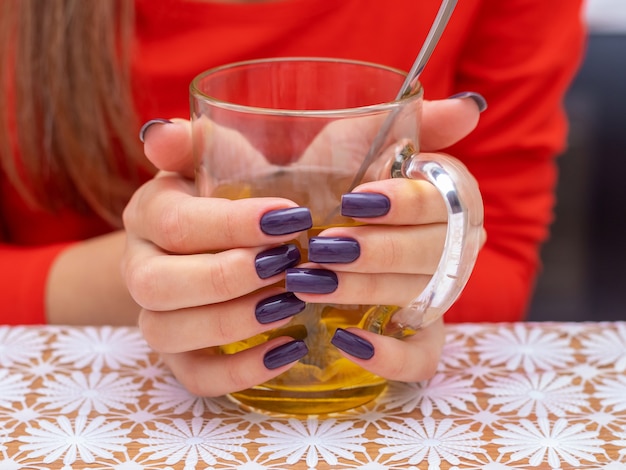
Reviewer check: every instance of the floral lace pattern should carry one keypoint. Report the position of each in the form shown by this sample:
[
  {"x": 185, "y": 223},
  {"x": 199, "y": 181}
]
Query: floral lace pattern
[{"x": 506, "y": 396}]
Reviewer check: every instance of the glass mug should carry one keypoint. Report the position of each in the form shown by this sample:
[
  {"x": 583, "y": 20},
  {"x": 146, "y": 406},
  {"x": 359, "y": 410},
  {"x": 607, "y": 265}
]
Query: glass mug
[{"x": 298, "y": 128}]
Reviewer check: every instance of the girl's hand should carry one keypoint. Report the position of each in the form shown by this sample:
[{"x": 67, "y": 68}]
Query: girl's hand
[{"x": 201, "y": 268}]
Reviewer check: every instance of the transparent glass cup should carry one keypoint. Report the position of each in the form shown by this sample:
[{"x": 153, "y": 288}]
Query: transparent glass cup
[{"x": 299, "y": 128}]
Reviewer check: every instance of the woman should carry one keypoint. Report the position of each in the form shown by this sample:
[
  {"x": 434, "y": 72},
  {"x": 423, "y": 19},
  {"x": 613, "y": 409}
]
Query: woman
[{"x": 79, "y": 78}]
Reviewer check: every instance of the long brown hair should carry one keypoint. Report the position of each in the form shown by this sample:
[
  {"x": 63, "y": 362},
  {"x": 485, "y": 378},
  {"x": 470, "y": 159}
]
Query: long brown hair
[{"x": 68, "y": 130}]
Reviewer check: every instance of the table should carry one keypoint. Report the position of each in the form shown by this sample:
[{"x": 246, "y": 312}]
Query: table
[{"x": 506, "y": 396}]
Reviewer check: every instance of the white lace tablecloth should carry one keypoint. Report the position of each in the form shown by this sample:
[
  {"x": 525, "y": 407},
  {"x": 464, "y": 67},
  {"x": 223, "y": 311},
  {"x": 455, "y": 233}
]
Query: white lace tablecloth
[{"x": 527, "y": 395}]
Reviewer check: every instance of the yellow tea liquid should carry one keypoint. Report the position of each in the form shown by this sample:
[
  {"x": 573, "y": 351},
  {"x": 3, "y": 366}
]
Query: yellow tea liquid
[{"x": 323, "y": 381}]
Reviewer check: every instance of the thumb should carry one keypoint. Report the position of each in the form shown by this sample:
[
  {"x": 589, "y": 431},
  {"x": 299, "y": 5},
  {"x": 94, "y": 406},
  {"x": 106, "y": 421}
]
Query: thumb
[
  {"x": 167, "y": 144},
  {"x": 445, "y": 122}
]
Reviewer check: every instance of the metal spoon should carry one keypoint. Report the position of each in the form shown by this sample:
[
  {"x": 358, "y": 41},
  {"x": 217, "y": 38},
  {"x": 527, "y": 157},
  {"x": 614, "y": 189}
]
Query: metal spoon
[{"x": 439, "y": 24}]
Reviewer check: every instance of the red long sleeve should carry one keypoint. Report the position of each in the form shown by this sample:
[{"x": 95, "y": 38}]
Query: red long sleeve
[
  {"x": 523, "y": 68},
  {"x": 30, "y": 240},
  {"x": 23, "y": 282},
  {"x": 520, "y": 54}
]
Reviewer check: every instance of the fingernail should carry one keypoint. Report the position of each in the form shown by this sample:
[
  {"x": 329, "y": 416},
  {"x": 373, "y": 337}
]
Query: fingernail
[
  {"x": 333, "y": 250},
  {"x": 352, "y": 344},
  {"x": 147, "y": 125},
  {"x": 283, "y": 221},
  {"x": 278, "y": 307},
  {"x": 311, "y": 281},
  {"x": 364, "y": 204},
  {"x": 284, "y": 354},
  {"x": 270, "y": 262},
  {"x": 477, "y": 97}
]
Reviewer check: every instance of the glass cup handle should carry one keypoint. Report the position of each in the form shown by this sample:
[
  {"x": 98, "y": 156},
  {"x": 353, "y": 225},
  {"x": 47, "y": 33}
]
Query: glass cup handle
[{"x": 463, "y": 201}]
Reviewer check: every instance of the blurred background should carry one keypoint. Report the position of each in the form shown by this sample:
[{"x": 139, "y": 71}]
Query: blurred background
[{"x": 584, "y": 272}]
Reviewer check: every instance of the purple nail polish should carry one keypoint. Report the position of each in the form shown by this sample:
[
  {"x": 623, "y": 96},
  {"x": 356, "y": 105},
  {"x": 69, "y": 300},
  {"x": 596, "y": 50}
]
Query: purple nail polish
[
  {"x": 270, "y": 262},
  {"x": 333, "y": 250},
  {"x": 283, "y": 221},
  {"x": 479, "y": 99},
  {"x": 278, "y": 307},
  {"x": 284, "y": 354},
  {"x": 310, "y": 281},
  {"x": 148, "y": 124},
  {"x": 352, "y": 344},
  {"x": 364, "y": 205}
]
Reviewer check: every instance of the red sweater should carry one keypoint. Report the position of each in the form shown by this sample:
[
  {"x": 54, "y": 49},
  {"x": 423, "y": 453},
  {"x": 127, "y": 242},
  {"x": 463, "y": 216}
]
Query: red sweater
[{"x": 520, "y": 54}]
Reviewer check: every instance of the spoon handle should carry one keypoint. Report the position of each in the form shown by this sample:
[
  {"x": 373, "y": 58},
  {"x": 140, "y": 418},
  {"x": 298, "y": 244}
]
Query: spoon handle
[
  {"x": 439, "y": 24},
  {"x": 436, "y": 30}
]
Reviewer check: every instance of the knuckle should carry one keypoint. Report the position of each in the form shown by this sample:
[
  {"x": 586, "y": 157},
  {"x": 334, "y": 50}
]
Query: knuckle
[
  {"x": 152, "y": 331},
  {"x": 223, "y": 329},
  {"x": 238, "y": 378},
  {"x": 134, "y": 208},
  {"x": 388, "y": 254},
  {"x": 172, "y": 228},
  {"x": 230, "y": 225},
  {"x": 221, "y": 281},
  {"x": 127, "y": 214},
  {"x": 141, "y": 283}
]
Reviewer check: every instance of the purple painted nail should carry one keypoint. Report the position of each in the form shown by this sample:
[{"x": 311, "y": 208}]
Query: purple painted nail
[
  {"x": 364, "y": 205},
  {"x": 147, "y": 125},
  {"x": 352, "y": 344},
  {"x": 278, "y": 307},
  {"x": 333, "y": 250},
  {"x": 479, "y": 99},
  {"x": 310, "y": 281},
  {"x": 270, "y": 262},
  {"x": 284, "y": 354},
  {"x": 283, "y": 221}
]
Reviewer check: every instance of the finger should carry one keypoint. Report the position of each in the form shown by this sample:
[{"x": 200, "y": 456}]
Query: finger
[
  {"x": 213, "y": 325},
  {"x": 167, "y": 144},
  {"x": 413, "y": 246},
  {"x": 343, "y": 143},
  {"x": 313, "y": 284},
  {"x": 412, "y": 359},
  {"x": 208, "y": 373},
  {"x": 372, "y": 249},
  {"x": 161, "y": 282},
  {"x": 165, "y": 212},
  {"x": 445, "y": 122},
  {"x": 409, "y": 202}
]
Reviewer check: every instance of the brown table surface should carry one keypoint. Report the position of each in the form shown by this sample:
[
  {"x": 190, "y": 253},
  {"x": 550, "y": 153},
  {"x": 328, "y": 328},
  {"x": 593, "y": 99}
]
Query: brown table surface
[{"x": 524, "y": 395}]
